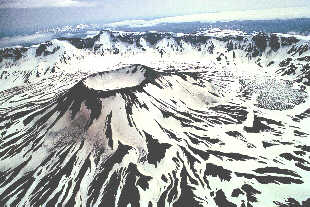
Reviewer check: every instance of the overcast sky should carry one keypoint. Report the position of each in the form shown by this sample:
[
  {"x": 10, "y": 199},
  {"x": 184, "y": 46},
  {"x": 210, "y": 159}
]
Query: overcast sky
[{"x": 25, "y": 14}]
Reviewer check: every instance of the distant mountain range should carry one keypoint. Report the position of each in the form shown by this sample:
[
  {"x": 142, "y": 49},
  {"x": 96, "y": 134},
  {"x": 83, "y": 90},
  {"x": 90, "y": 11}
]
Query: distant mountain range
[{"x": 299, "y": 26}]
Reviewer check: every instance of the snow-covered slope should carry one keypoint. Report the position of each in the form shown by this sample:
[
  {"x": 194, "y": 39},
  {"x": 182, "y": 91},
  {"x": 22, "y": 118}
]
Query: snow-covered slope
[{"x": 218, "y": 118}]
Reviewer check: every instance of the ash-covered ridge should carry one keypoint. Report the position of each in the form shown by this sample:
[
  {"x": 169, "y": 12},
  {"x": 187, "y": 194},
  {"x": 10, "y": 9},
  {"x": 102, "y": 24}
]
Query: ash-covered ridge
[{"x": 156, "y": 119}]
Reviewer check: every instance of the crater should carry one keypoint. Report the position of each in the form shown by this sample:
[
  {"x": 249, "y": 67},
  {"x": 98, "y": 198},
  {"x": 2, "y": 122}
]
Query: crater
[{"x": 127, "y": 77}]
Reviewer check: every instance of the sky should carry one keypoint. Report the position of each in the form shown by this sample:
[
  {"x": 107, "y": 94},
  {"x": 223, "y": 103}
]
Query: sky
[{"x": 22, "y": 15}]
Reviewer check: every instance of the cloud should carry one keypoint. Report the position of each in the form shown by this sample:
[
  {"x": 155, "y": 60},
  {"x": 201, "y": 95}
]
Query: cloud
[
  {"x": 262, "y": 14},
  {"x": 44, "y": 3},
  {"x": 25, "y": 39}
]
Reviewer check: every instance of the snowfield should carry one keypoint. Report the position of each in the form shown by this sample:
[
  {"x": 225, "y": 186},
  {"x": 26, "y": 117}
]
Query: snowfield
[{"x": 214, "y": 118}]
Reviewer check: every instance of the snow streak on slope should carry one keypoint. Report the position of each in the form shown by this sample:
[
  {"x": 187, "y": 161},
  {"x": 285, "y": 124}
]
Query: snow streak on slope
[{"x": 209, "y": 121}]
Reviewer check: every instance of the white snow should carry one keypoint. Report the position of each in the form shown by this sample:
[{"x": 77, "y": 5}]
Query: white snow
[{"x": 126, "y": 78}]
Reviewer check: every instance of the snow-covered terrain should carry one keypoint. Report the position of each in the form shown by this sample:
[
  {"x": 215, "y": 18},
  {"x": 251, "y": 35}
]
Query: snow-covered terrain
[{"x": 213, "y": 118}]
